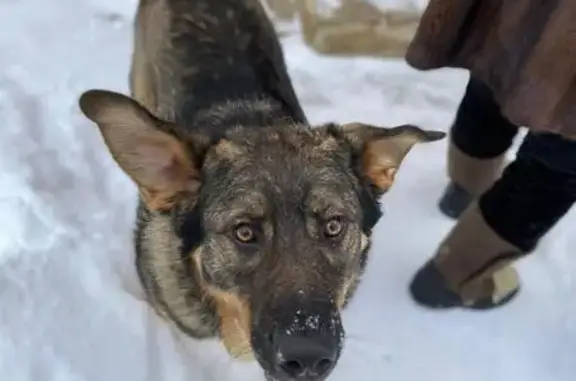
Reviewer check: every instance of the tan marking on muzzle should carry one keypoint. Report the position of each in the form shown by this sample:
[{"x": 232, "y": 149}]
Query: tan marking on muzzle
[
  {"x": 344, "y": 292},
  {"x": 235, "y": 319},
  {"x": 364, "y": 241},
  {"x": 352, "y": 279},
  {"x": 234, "y": 324}
]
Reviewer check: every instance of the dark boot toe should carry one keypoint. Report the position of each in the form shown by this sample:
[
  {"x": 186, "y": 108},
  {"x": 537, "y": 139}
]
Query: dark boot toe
[
  {"x": 454, "y": 201},
  {"x": 428, "y": 289}
]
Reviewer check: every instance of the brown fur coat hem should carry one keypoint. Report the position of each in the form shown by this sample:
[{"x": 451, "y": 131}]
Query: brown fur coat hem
[{"x": 524, "y": 50}]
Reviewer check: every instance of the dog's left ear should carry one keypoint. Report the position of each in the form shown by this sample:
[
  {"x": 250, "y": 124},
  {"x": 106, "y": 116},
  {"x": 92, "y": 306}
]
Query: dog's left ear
[{"x": 382, "y": 150}]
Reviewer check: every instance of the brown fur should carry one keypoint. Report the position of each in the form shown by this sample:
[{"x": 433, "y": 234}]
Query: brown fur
[
  {"x": 524, "y": 50},
  {"x": 216, "y": 141}
]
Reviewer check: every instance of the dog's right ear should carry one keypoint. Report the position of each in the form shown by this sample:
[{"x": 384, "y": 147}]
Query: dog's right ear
[
  {"x": 382, "y": 150},
  {"x": 161, "y": 165}
]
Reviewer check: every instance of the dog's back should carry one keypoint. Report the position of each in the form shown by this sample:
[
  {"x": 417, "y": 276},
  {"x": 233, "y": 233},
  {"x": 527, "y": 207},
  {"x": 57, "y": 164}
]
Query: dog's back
[{"x": 191, "y": 55}]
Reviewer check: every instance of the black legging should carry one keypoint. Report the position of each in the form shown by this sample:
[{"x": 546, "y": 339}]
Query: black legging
[{"x": 536, "y": 189}]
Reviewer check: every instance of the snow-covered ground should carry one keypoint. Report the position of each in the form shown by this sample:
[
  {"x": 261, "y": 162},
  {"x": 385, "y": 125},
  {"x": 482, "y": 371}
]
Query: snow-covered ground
[{"x": 70, "y": 304}]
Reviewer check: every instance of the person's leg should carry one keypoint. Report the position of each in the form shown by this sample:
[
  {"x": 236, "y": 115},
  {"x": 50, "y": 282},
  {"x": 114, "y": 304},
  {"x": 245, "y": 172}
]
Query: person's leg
[
  {"x": 471, "y": 267},
  {"x": 479, "y": 139}
]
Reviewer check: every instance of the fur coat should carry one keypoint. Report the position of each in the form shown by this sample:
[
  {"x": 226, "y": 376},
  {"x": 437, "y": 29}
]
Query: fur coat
[{"x": 524, "y": 50}]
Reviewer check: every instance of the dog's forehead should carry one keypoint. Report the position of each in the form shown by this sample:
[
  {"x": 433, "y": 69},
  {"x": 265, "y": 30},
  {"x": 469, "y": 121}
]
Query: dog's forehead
[
  {"x": 289, "y": 165},
  {"x": 287, "y": 156},
  {"x": 280, "y": 168},
  {"x": 260, "y": 197},
  {"x": 303, "y": 138},
  {"x": 280, "y": 175}
]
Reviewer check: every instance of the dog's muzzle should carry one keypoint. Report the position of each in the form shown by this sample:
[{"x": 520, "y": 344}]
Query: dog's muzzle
[{"x": 299, "y": 342}]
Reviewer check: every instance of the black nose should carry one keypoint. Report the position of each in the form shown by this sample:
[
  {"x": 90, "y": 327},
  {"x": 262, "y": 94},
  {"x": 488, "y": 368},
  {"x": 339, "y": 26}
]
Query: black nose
[{"x": 301, "y": 357}]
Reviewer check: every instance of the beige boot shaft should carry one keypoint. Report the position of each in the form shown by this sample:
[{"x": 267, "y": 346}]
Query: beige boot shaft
[
  {"x": 475, "y": 261},
  {"x": 475, "y": 176}
]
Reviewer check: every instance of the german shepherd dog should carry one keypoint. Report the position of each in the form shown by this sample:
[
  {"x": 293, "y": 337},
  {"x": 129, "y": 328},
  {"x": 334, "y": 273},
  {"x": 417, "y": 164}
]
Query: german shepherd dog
[{"x": 252, "y": 226}]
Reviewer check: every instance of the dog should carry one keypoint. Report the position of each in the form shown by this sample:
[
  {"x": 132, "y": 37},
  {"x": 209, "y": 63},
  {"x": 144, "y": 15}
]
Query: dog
[{"x": 252, "y": 225}]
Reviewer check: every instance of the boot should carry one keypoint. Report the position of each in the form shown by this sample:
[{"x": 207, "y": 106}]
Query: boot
[
  {"x": 469, "y": 178},
  {"x": 471, "y": 268},
  {"x": 479, "y": 139}
]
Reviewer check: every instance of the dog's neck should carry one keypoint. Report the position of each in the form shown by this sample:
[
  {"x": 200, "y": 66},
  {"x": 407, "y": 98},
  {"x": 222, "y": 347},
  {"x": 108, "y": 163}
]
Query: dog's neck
[
  {"x": 232, "y": 95},
  {"x": 256, "y": 111}
]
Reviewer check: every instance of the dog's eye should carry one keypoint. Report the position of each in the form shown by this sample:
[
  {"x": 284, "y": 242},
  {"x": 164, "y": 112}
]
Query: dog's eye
[
  {"x": 334, "y": 227},
  {"x": 244, "y": 233}
]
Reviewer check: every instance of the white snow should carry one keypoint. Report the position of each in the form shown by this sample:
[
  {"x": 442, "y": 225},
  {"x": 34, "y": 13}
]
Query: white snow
[{"x": 70, "y": 303}]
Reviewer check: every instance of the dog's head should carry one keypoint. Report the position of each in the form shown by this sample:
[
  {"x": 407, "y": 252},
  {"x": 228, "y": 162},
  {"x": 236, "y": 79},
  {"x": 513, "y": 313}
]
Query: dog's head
[{"x": 281, "y": 219}]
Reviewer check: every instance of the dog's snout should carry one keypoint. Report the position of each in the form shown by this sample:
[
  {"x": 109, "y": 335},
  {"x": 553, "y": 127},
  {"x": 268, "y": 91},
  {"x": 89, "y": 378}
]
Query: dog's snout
[
  {"x": 301, "y": 341},
  {"x": 305, "y": 357}
]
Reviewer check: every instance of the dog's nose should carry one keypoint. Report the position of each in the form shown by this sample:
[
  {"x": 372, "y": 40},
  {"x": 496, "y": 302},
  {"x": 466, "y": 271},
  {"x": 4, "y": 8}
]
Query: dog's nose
[{"x": 301, "y": 357}]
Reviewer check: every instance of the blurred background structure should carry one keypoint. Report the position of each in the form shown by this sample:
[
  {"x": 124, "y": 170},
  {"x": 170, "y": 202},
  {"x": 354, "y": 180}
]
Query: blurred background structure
[{"x": 351, "y": 27}]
